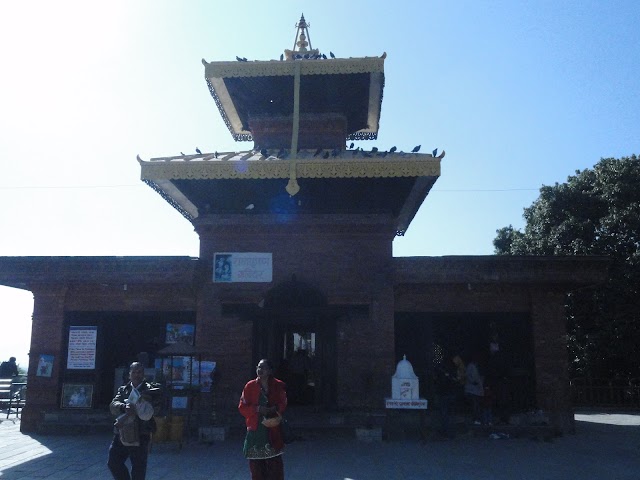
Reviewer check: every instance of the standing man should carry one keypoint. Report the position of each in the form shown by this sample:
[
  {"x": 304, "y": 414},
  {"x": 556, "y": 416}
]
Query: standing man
[
  {"x": 133, "y": 427},
  {"x": 449, "y": 382},
  {"x": 9, "y": 369}
]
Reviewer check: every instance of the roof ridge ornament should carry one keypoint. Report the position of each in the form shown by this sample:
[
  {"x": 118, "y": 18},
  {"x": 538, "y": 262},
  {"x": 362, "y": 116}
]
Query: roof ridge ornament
[{"x": 301, "y": 42}]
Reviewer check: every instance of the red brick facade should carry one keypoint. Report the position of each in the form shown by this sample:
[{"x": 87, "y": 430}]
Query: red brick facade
[{"x": 349, "y": 263}]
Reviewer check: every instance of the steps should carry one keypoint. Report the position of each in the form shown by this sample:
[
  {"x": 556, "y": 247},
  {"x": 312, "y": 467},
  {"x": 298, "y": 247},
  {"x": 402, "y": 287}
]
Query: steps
[{"x": 72, "y": 423}]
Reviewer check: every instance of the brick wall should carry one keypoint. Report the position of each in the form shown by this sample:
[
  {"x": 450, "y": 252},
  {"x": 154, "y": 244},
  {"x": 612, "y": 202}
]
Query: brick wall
[{"x": 46, "y": 338}]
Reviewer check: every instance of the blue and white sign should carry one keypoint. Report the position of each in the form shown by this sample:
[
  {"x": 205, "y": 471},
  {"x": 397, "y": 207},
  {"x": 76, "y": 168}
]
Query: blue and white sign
[{"x": 233, "y": 267}]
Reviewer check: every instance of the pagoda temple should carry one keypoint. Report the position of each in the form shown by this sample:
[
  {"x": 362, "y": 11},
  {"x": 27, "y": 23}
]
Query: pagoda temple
[{"x": 296, "y": 263}]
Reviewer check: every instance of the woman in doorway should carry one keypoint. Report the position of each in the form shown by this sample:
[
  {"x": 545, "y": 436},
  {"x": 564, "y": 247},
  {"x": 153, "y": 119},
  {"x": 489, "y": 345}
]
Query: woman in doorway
[{"x": 263, "y": 401}]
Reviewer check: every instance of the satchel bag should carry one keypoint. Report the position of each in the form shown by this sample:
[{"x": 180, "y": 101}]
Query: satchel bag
[{"x": 128, "y": 429}]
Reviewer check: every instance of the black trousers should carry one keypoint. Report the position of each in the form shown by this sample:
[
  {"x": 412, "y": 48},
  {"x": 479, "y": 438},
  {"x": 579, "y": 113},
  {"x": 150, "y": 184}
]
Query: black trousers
[
  {"x": 119, "y": 453},
  {"x": 267, "y": 469}
]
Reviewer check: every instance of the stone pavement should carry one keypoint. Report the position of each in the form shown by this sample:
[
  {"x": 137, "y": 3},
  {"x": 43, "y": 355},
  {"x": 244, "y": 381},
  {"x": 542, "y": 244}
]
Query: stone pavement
[{"x": 606, "y": 446}]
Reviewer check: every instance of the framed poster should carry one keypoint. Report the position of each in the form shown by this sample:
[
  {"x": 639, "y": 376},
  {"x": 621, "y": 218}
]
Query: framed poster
[
  {"x": 180, "y": 333},
  {"x": 77, "y": 395},
  {"x": 177, "y": 370},
  {"x": 204, "y": 374},
  {"x": 82, "y": 348},
  {"x": 45, "y": 366},
  {"x": 179, "y": 403}
]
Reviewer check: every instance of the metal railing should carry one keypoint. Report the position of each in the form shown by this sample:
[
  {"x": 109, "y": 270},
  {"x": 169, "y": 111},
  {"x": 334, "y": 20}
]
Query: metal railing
[{"x": 623, "y": 393}]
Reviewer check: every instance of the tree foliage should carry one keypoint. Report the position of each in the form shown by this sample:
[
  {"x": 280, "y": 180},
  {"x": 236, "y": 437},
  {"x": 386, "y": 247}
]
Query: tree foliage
[{"x": 595, "y": 212}]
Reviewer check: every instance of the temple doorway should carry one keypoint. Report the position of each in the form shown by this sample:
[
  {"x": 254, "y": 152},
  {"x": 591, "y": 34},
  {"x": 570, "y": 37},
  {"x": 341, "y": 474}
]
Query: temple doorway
[
  {"x": 297, "y": 331},
  {"x": 298, "y": 364}
]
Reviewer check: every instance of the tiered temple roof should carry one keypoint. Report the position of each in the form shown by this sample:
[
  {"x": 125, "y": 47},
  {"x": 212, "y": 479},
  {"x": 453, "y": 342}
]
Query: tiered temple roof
[{"x": 300, "y": 111}]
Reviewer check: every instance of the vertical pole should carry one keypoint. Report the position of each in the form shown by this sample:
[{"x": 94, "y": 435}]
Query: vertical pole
[{"x": 293, "y": 187}]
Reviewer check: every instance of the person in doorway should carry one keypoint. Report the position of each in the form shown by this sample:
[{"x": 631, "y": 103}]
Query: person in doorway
[
  {"x": 9, "y": 368},
  {"x": 497, "y": 380},
  {"x": 262, "y": 403},
  {"x": 474, "y": 390},
  {"x": 448, "y": 383},
  {"x": 299, "y": 372},
  {"x": 133, "y": 406}
]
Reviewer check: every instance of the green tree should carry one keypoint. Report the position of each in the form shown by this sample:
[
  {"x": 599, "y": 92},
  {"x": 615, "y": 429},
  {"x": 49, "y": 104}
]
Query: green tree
[{"x": 595, "y": 212}]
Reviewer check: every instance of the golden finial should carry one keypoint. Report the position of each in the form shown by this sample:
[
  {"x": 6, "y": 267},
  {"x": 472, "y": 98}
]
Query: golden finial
[{"x": 302, "y": 44}]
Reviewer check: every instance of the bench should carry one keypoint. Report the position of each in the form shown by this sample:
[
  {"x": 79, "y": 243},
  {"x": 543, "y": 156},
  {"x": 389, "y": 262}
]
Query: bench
[
  {"x": 12, "y": 396},
  {"x": 5, "y": 393}
]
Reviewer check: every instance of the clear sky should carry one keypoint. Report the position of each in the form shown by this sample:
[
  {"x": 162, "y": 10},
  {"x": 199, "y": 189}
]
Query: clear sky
[{"x": 520, "y": 94}]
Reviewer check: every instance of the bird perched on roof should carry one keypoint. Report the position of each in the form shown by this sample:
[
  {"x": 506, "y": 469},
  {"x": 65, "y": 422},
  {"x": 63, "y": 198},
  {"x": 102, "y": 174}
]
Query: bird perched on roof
[
  {"x": 393, "y": 149},
  {"x": 435, "y": 152},
  {"x": 281, "y": 56},
  {"x": 326, "y": 155},
  {"x": 374, "y": 150},
  {"x": 324, "y": 57},
  {"x": 215, "y": 154},
  {"x": 264, "y": 152},
  {"x": 241, "y": 59},
  {"x": 416, "y": 149},
  {"x": 332, "y": 55},
  {"x": 352, "y": 145},
  {"x": 318, "y": 152},
  {"x": 182, "y": 154},
  {"x": 198, "y": 151}
]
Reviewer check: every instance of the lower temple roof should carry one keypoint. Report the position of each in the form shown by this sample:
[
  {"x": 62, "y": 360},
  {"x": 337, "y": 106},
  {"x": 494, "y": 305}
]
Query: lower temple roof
[{"x": 330, "y": 182}]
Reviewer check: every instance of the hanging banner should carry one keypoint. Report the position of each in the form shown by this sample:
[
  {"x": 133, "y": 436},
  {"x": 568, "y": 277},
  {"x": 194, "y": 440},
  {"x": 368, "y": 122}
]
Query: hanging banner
[
  {"x": 242, "y": 267},
  {"x": 82, "y": 348}
]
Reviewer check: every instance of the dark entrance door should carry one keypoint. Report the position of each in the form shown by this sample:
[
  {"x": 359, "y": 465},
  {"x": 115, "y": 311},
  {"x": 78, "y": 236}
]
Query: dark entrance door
[
  {"x": 297, "y": 331},
  {"x": 299, "y": 363}
]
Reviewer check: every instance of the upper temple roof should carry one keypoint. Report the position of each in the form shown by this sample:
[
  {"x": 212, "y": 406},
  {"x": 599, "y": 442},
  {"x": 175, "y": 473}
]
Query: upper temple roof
[
  {"x": 331, "y": 99},
  {"x": 350, "y": 87}
]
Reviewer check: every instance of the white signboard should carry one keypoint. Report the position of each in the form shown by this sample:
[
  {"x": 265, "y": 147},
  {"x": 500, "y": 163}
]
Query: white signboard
[
  {"x": 82, "y": 348},
  {"x": 242, "y": 267}
]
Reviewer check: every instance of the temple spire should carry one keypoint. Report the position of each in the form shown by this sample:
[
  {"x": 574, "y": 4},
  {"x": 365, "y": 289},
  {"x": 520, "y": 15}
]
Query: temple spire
[
  {"x": 302, "y": 35},
  {"x": 302, "y": 44}
]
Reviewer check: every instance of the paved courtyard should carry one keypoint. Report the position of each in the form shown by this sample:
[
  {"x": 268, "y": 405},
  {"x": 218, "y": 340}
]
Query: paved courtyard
[{"x": 606, "y": 446}]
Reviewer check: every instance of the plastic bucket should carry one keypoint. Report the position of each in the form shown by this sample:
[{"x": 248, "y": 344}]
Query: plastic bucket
[
  {"x": 162, "y": 429},
  {"x": 176, "y": 428}
]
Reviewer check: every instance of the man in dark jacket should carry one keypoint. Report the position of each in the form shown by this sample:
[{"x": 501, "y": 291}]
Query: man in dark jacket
[
  {"x": 133, "y": 427},
  {"x": 448, "y": 384},
  {"x": 9, "y": 369}
]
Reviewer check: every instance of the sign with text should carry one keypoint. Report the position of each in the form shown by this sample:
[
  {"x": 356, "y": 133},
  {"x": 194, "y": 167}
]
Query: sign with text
[
  {"x": 82, "y": 348},
  {"x": 242, "y": 267},
  {"x": 416, "y": 404}
]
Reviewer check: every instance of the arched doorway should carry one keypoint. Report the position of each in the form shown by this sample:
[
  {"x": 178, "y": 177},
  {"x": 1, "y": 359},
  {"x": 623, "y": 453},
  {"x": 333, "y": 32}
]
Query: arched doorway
[{"x": 296, "y": 329}]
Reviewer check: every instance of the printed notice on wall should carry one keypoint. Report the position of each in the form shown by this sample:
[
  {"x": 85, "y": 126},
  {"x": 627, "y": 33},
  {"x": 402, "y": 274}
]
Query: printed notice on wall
[
  {"x": 82, "y": 348},
  {"x": 242, "y": 267}
]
